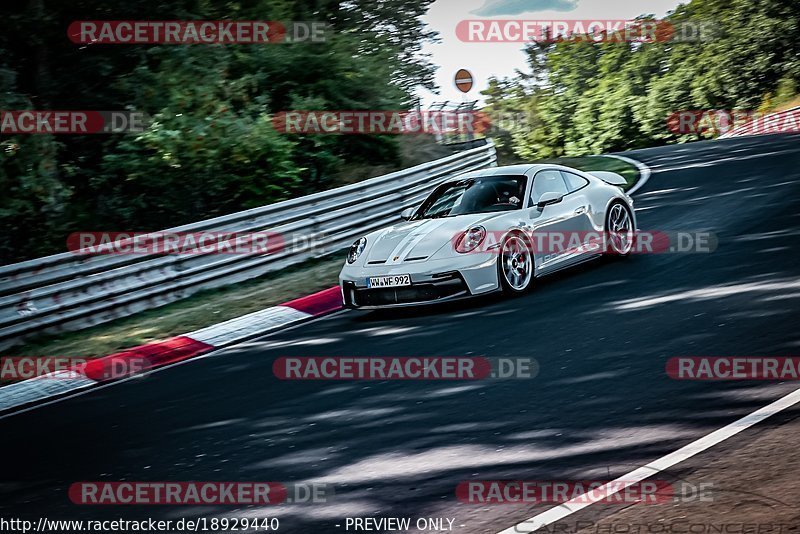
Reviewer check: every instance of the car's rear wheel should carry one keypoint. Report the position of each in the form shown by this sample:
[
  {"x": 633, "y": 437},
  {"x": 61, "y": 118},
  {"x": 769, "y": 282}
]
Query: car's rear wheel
[
  {"x": 620, "y": 232},
  {"x": 515, "y": 265}
]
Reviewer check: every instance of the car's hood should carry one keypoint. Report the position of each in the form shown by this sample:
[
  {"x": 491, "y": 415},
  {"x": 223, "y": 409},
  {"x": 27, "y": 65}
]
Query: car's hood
[{"x": 419, "y": 240}]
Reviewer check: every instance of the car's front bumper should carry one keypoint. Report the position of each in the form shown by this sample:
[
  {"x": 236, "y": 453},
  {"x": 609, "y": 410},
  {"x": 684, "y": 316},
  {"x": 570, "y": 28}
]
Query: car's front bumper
[
  {"x": 449, "y": 286},
  {"x": 431, "y": 281}
]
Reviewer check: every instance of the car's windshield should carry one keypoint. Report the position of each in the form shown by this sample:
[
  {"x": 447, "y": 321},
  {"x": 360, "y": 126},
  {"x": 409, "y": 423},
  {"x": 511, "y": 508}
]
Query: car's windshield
[{"x": 480, "y": 194}]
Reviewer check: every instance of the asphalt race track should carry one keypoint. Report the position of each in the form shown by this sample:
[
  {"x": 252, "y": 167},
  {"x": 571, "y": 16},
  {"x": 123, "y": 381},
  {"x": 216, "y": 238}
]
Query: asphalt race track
[{"x": 601, "y": 404}]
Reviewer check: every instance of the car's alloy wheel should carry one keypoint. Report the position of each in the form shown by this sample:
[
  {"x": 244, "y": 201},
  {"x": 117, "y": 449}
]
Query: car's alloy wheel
[
  {"x": 516, "y": 265},
  {"x": 619, "y": 228}
]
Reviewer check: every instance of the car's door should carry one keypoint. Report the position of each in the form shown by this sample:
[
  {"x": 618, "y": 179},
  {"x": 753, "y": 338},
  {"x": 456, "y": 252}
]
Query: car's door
[{"x": 559, "y": 228}]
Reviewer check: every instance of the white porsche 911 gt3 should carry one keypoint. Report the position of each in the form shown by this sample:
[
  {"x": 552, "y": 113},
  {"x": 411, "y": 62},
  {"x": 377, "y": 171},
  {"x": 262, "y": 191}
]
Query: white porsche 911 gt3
[{"x": 494, "y": 229}]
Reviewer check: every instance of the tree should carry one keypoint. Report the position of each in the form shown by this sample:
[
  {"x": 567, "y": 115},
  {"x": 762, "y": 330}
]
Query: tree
[
  {"x": 209, "y": 147},
  {"x": 591, "y": 97}
]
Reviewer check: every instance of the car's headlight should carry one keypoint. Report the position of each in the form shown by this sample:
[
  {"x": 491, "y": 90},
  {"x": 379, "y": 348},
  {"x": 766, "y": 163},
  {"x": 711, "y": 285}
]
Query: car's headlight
[
  {"x": 471, "y": 239},
  {"x": 356, "y": 249}
]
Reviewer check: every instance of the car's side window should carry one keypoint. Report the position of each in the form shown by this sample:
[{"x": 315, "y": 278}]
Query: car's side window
[
  {"x": 574, "y": 182},
  {"x": 546, "y": 181}
]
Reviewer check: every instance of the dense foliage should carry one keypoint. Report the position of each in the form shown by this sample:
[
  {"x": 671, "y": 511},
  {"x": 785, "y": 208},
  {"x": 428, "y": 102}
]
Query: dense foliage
[
  {"x": 586, "y": 97},
  {"x": 209, "y": 148}
]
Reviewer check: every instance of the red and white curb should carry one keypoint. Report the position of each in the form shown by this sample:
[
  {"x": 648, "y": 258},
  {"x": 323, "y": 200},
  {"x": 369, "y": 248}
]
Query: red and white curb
[{"x": 168, "y": 351}]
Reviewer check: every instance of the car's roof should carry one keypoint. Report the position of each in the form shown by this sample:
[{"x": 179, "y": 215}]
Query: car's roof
[{"x": 508, "y": 169}]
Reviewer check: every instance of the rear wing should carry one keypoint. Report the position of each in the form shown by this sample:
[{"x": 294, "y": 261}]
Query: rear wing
[{"x": 609, "y": 177}]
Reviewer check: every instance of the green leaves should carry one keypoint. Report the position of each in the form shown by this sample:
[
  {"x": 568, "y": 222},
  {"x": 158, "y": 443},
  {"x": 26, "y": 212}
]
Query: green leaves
[
  {"x": 209, "y": 147},
  {"x": 592, "y": 97}
]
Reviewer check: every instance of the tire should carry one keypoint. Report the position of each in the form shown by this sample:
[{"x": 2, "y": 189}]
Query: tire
[
  {"x": 619, "y": 229},
  {"x": 515, "y": 265}
]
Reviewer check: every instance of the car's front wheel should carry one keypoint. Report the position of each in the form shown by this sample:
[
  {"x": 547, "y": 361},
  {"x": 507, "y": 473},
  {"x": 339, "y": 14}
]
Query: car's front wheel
[{"x": 515, "y": 265}]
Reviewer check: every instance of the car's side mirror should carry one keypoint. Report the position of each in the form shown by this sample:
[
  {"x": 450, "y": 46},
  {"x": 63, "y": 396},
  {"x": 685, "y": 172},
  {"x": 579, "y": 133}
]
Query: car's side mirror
[
  {"x": 550, "y": 197},
  {"x": 407, "y": 213}
]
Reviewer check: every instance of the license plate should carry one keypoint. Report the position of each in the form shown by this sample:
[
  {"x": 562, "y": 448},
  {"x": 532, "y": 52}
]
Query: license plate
[{"x": 396, "y": 280}]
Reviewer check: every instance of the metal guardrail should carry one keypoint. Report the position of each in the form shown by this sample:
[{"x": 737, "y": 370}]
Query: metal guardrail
[{"x": 70, "y": 291}]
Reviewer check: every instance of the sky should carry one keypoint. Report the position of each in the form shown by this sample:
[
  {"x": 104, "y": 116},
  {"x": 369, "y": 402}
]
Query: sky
[{"x": 485, "y": 60}]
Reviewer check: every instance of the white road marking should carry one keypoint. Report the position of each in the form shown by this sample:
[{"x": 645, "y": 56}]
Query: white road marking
[{"x": 665, "y": 462}]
